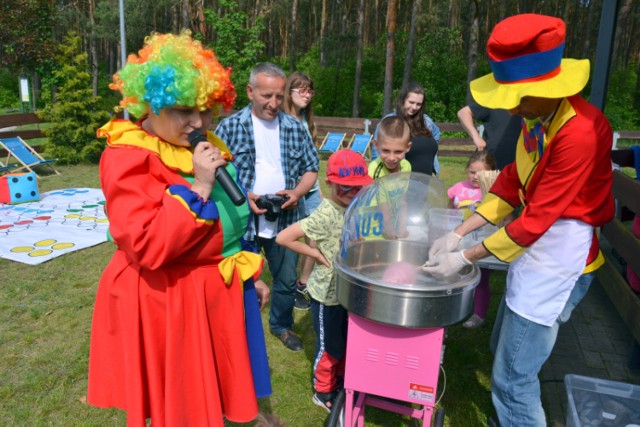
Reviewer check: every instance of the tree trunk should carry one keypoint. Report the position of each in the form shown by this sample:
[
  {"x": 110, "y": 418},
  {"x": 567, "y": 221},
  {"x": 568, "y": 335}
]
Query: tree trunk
[
  {"x": 454, "y": 13},
  {"x": 92, "y": 48},
  {"x": 200, "y": 21},
  {"x": 292, "y": 36},
  {"x": 391, "y": 51},
  {"x": 472, "y": 69},
  {"x": 35, "y": 90},
  {"x": 356, "y": 87},
  {"x": 620, "y": 41},
  {"x": 587, "y": 32},
  {"x": 175, "y": 18},
  {"x": 502, "y": 10},
  {"x": 408, "y": 60},
  {"x": 323, "y": 34},
  {"x": 185, "y": 15},
  {"x": 636, "y": 97}
]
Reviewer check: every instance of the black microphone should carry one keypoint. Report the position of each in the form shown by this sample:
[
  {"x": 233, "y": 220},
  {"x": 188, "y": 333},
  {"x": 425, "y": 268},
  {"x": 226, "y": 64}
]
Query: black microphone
[{"x": 222, "y": 176}]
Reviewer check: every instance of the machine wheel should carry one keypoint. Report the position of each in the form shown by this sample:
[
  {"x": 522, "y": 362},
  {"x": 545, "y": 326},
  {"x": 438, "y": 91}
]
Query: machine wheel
[
  {"x": 438, "y": 418},
  {"x": 336, "y": 417}
]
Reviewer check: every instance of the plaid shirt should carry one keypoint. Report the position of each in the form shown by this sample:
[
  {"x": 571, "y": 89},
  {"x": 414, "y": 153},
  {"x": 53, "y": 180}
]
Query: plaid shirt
[{"x": 297, "y": 151}]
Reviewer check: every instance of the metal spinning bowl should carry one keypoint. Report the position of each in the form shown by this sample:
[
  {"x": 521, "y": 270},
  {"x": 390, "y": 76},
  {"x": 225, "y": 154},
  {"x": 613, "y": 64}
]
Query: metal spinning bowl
[
  {"x": 429, "y": 302},
  {"x": 393, "y": 221}
]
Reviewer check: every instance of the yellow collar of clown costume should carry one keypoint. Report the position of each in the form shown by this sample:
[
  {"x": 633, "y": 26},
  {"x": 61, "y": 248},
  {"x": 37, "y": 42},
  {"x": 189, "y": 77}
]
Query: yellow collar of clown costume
[
  {"x": 525, "y": 163},
  {"x": 124, "y": 133}
]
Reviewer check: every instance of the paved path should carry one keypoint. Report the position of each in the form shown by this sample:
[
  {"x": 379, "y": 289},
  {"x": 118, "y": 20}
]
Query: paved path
[{"x": 594, "y": 343}]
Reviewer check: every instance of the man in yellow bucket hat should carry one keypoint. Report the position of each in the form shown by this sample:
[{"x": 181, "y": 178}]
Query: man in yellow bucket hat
[{"x": 562, "y": 180}]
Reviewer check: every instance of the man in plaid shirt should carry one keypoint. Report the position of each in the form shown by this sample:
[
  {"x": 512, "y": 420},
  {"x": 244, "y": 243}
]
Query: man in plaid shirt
[{"x": 273, "y": 155}]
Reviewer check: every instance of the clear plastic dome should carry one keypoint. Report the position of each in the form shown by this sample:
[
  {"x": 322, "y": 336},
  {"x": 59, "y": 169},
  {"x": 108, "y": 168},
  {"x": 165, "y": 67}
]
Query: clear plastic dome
[{"x": 388, "y": 230}]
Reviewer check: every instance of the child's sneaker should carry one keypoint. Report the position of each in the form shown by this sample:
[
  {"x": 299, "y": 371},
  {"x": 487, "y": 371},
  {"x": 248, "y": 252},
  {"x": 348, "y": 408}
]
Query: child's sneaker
[
  {"x": 474, "y": 321},
  {"x": 302, "y": 297},
  {"x": 324, "y": 400}
]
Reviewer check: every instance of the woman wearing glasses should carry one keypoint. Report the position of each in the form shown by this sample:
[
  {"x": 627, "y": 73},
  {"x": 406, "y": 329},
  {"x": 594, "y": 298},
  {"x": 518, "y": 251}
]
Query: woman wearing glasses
[{"x": 298, "y": 103}]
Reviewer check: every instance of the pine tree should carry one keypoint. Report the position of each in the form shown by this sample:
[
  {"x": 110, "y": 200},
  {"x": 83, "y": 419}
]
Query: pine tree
[{"x": 74, "y": 112}]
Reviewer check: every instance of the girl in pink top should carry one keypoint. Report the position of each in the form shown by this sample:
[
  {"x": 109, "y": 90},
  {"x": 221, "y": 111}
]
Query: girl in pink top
[{"x": 467, "y": 195}]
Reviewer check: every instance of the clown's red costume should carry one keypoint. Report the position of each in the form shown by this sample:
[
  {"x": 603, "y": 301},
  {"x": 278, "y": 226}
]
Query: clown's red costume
[
  {"x": 169, "y": 340},
  {"x": 571, "y": 181},
  {"x": 562, "y": 178}
]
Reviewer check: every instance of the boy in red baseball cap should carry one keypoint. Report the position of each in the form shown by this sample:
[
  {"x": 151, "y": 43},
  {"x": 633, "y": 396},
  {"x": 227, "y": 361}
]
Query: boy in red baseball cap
[
  {"x": 346, "y": 175},
  {"x": 562, "y": 179}
]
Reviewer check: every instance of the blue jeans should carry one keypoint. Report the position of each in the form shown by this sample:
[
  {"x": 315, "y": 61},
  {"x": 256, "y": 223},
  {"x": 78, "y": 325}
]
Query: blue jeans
[
  {"x": 309, "y": 203},
  {"x": 283, "y": 265},
  {"x": 520, "y": 348}
]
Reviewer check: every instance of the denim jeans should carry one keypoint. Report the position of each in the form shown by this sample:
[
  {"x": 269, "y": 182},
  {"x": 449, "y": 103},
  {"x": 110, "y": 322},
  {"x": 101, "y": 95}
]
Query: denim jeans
[
  {"x": 283, "y": 265},
  {"x": 520, "y": 348}
]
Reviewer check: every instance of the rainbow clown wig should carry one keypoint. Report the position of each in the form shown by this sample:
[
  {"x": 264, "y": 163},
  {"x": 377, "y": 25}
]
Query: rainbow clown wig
[{"x": 173, "y": 70}]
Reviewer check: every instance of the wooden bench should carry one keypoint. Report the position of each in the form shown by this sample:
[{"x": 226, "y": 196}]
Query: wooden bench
[
  {"x": 449, "y": 145},
  {"x": 9, "y": 121},
  {"x": 627, "y": 135},
  {"x": 621, "y": 247}
]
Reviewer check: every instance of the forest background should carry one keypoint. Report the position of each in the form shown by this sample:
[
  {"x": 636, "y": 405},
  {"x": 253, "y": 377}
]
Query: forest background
[{"x": 358, "y": 52}]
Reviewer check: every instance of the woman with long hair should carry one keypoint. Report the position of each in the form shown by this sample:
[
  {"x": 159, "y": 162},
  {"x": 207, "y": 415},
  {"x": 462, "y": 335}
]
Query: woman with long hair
[
  {"x": 298, "y": 102},
  {"x": 424, "y": 134}
]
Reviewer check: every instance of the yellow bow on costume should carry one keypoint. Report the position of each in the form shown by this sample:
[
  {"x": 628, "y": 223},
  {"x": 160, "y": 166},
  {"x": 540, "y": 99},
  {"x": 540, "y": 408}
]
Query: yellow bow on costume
[{"x": 245, "y": 263}]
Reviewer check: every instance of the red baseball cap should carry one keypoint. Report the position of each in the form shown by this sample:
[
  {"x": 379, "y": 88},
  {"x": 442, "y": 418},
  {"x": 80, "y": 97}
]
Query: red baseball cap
[{"x": 346, "y": 167}]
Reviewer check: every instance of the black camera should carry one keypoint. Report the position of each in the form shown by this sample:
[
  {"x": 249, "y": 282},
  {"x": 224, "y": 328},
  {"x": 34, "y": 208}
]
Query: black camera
[{"x": 272, "y": 203}]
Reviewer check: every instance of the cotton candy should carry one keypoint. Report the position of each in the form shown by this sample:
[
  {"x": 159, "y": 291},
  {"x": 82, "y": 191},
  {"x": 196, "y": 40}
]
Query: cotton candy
[{"x": 400, "y": 273}]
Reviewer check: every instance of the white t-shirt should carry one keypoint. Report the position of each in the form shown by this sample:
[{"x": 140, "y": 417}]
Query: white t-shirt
[{"x": 269, "y": 174}]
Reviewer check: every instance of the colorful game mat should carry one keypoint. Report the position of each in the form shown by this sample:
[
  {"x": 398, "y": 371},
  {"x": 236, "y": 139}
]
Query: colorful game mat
[{"x": 62, "y": 221}]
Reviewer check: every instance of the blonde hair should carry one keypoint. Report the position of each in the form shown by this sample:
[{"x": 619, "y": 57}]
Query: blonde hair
[{"x": 393, "y": 127}]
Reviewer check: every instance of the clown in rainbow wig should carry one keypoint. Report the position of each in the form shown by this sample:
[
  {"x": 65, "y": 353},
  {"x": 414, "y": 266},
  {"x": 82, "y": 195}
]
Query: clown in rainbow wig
[
  {"x": 173, "y": 70},
  {"x": 562, "y": 179},
  {"x": 176, "y": 333}
]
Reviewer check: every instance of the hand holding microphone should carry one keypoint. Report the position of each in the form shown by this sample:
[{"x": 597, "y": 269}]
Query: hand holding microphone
[{"x": 222, "y": 176}]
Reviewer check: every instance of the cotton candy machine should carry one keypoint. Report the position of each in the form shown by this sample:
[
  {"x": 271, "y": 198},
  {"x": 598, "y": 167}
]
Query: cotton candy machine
[
  {"x": 388, "y": 231},
  {"x": 397, "y": 313}
]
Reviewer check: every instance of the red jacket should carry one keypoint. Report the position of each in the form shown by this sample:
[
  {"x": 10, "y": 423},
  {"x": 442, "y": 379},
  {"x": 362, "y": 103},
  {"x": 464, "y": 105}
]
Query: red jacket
[{"x": 571, "y": 180}]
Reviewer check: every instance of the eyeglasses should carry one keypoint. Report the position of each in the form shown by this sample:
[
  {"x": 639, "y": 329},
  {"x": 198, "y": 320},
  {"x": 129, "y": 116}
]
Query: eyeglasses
[
  {"x": 346, "y": 189},
  {"x": 304, "y": 91}
]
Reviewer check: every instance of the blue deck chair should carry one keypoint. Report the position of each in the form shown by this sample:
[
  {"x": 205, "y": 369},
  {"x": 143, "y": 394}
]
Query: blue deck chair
[
  {"x": 26, "y": 156},
  {"x": 332, "y": 142},
  {"x": 7, "y": 168},
  {"x": 361, "y": 143}
]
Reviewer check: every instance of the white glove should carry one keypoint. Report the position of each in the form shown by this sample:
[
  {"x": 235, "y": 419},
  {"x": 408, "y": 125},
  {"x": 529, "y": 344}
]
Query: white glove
[
  {"x": 446, "y": 264},
  {"x": 447, "y": 243}
]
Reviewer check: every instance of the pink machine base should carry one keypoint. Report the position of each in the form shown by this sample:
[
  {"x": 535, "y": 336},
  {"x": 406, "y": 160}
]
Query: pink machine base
[{"x": 391, "y": 362}]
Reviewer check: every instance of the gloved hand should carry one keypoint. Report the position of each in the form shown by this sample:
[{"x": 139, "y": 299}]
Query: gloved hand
[
  {"x": 446, "y": 264},
  {"x": 447, "y": 243}
]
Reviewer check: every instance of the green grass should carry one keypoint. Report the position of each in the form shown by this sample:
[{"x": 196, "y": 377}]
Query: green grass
[{"x": 45, "y": 323}]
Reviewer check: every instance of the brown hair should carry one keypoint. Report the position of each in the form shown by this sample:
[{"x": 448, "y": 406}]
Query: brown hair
[
  {"x": 298, "y": 80},
  {"x": 484, "y": 157},
  {"x": 393, "y": 127},
  {"x": 416, "y": 123}
]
